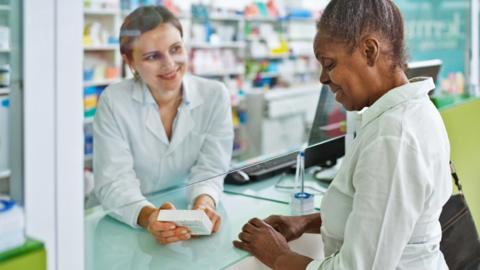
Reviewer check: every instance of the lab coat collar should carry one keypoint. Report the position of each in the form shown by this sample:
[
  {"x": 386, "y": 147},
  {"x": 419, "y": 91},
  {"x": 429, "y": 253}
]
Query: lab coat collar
[
  {"x": 415, "y": 88},
  {"x": 191, "y": 95},
  {"x": 184, "y": 122},
  {"x": 182, "y": 129}
]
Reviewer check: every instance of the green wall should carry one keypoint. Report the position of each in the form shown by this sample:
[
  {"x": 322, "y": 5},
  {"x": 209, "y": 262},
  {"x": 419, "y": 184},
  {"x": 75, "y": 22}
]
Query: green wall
[{"x": 463, "y": 127}]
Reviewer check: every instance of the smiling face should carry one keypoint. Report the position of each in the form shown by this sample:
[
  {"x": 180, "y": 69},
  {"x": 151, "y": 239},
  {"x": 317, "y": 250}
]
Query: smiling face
[
  {"x": 160, "y": 58},
  {"x": 348, "y": 73}
]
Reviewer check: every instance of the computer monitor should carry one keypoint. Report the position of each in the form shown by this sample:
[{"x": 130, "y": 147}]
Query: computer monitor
[
  {"x": 330, "y": 118},
  {"x": 325, "y": 145},
  {"x": 428, "y": 68},
  {"x": 326, "y": 142}
]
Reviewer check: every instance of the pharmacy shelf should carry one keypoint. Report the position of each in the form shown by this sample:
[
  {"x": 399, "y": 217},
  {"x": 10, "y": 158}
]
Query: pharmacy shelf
[
  {"x": 293, "y": 90},
  {"x": 204, "y": 45},
  {"x": 4, "y": 91},
  {"x": 5, "y": 174},
  {"x": 220, "y": 73},
  {"x": 101, "y": 12},
  {"x": 269, "y": 74},
  {"x": 4, "y": 50},
  {"x": 262, "y": 19},
  {"x": 278, "y": 74},
  {"x": 301, "y": 19},
  {"x": 101, "y": 48},
  {"x": 269, "y": 57},
  {"x": 98, "y": 83},
  {"x": 88, "y": 120},
  {"x": 299, "y": 39},
  {"x": 4, "y": 8},
  {"x": 88, "y": 157},
  {"x": 225, "y": 17}
]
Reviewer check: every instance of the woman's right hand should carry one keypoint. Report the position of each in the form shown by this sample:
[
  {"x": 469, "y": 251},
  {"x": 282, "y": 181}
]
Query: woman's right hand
[
  {"x": 292, "y": 227},
  {"x": 166, "y": 232}
]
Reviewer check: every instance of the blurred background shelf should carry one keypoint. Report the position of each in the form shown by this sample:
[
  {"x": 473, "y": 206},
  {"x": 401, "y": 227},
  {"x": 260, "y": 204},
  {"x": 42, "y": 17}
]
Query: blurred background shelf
[
  {"x": 5, "y": 174},
  {"x": 101, "y": 12},
  {"x": 103, "y": 82},
  {"x": 4, "y": 91},
  {"x": 100, "y": 48}
]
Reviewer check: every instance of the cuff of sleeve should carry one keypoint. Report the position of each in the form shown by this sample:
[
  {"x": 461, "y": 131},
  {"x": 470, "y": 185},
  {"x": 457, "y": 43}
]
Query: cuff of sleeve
[
  {"x": 129, "y": 214},
  {"x": 314, "y": 265},
  {"x": 210, "y": 191}
]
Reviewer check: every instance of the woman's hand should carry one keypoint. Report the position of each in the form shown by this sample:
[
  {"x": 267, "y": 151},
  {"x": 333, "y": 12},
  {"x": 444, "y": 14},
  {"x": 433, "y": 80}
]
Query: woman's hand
[
  {"x": 206, "y": 203},
  {"x": 163, "y": 232},
  {"x": 292, "y": 227},
  {"x": 262, "y": 241}
]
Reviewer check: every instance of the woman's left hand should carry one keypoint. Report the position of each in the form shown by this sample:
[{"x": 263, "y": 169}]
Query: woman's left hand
[
  {"x": 262, "y": 241},
  {"x": 206, "y": 203}
]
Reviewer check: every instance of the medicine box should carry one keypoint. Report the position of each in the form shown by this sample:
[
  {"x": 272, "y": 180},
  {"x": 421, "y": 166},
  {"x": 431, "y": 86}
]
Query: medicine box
[{"x": 196, "y": 220}]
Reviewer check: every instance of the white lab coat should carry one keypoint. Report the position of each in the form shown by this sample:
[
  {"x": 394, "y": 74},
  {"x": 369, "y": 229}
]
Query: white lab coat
[
  {"x": 381, "y": 210},
  {"x": 133, "y": 156}
]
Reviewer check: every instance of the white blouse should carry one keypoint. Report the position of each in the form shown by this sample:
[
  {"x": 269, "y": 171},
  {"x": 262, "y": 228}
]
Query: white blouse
[
  {"x": 381, "y": 211},
  {"x": 133, "y": 156}
]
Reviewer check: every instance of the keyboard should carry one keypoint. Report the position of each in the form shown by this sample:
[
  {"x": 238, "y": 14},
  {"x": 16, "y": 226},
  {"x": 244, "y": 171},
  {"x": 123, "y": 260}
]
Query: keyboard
[{"x": 271, "y": 167}]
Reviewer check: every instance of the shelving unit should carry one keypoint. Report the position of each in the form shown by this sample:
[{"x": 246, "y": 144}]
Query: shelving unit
[
  {"x": 101, "y": 12},
  {"x": 88, "y": 120},
  {"x": 205, "y": 45},
  {"x": 101, "y": 48},
  {"x": 5, "y": 174},
  {"x": 102, "y": 82},
  {"x": 102, "y": 64},
  {"x": 4, "y": 91},
  {"x": 88, "y": 157},
  {"x": 6, "y": 60},
  {"x": 231, "y": 47},
  {"x": 220, "y": 73},
  {"x": 4, "y": 181}
]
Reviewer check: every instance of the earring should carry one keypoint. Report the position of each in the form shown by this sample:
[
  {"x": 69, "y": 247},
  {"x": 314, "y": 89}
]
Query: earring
[{"x": 136, "y": 75}]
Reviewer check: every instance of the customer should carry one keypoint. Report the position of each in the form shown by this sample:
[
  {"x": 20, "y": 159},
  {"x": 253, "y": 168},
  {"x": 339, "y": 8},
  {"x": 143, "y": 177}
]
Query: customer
[
  {"x": 160, "y": 129},
  {"x": 381, "y": 211}
]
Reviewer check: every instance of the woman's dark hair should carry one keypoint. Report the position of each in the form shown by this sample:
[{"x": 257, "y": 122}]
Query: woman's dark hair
[
  {"x": 141, "y": 20},
  {"x": 348, "y": 20}
]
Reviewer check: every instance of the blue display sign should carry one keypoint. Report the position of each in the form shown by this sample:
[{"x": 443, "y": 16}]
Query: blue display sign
[{"x": 437, "y": 29}]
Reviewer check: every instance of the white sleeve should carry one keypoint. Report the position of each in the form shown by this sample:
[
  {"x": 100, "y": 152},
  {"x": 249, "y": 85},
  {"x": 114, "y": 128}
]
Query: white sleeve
[
  {"x": 390, "y": 182},
  {"x": 216, "y": 152},
  {"x": 116, "y": 185}
]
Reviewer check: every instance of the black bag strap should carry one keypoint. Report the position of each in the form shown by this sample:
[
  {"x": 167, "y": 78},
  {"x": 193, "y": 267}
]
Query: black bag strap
[{"x": 455, "y": 177}]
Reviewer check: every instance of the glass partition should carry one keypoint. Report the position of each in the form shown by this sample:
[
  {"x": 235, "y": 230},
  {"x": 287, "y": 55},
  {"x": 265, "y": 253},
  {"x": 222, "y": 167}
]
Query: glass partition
[
  {"x": 12, "y": 230},
  {"x": 111, "y": 243},
  {"x": 11, "y": 100},
  {"x": 267, "y": 106}
]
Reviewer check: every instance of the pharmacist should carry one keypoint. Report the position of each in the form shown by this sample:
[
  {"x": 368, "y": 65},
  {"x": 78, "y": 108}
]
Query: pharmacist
[{"x": 160, "y": 129}]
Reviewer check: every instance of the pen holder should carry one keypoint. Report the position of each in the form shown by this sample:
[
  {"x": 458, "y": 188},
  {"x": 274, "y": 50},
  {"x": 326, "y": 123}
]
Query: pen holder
[{"x": 302, "y": 203}]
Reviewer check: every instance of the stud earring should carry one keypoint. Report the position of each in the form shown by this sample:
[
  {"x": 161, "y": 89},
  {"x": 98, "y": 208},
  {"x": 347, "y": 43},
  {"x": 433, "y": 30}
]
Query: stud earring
[{"x": 135, "y": 73}]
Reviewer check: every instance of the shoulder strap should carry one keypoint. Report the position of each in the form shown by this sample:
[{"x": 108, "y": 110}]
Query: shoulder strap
[{"x": 455, "y": 177}]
